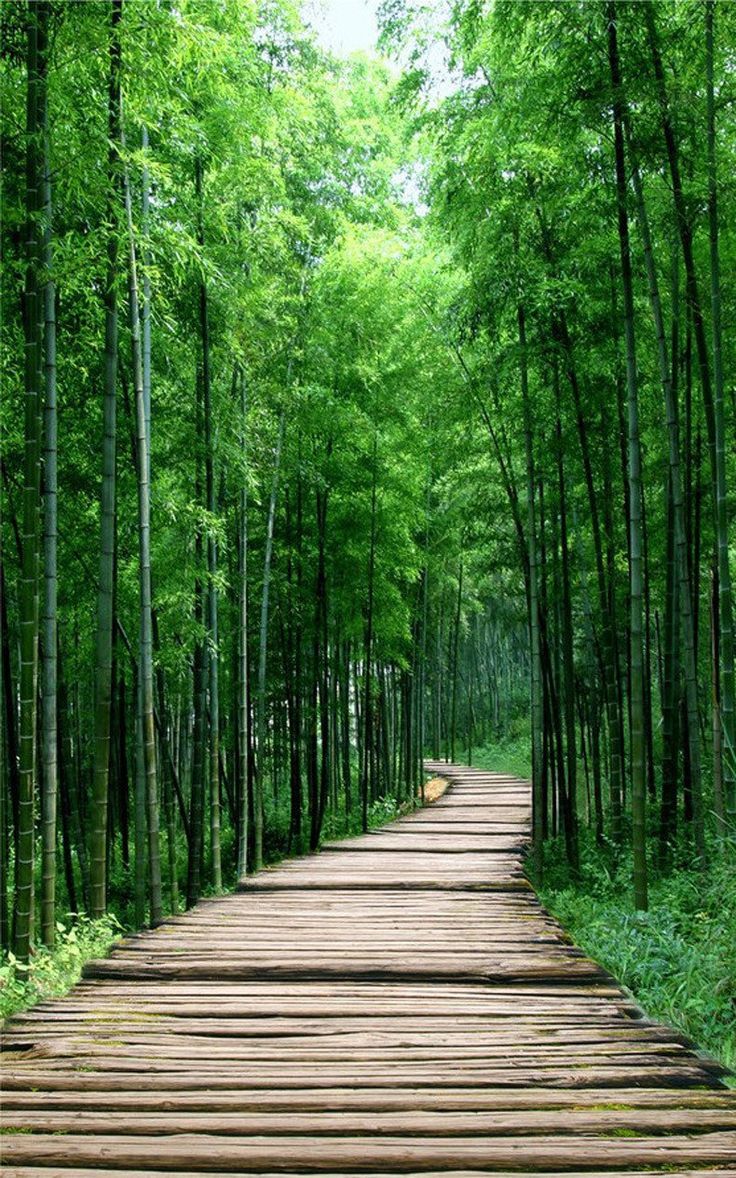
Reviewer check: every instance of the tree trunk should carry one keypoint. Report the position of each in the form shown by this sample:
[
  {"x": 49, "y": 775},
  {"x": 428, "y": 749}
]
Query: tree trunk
[
  {"x": 322, "y": 671},
  {"x": 37, "y": 24},
  {"x": 103, "y": 673},
  {"x": 670, "y": 692},
  {"x": 140, "y": 827},
  {"x": 368, "y": 705},
  {"x": 262, "y": 655},
  {"x": 212, "y": 603},
  {"x": 148, "y": 730},
  {"x": 69, "y": 829},
  {"x": 536, "y": 683},
  {"x": 725, "y": 599},
  {"x": 455, "y": 648},
  {"x": 568, "y": 656},
  {"x": 638, "y": 750},
  {"x": 8, "y": 762},
  {"x": 49, "y": 643},
  {"x": 242, "y": 696},
  {"x": 199, "y": 693},
  {"x": 345, "y": 730}
]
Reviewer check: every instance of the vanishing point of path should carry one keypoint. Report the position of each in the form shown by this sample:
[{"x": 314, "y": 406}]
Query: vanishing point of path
[{"x": 399, "y": 1003}]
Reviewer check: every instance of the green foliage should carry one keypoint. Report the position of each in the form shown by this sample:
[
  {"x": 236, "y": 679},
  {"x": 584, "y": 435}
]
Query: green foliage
[
  {"x": 678, "y": 959},
  {"x": 51, "y": 973},
  {"x": 509, "y": 754}
]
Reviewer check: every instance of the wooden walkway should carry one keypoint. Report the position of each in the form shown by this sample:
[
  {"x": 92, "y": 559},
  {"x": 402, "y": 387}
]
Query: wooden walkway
[{"x": 399, "y": 1003}]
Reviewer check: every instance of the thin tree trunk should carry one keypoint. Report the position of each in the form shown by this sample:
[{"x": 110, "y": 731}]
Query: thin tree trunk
[
  {"x": 638, "y": 750},
  {"x": 199, "y": 691},
  {"x": 716, "y": 729},
  {"x": 345, "y": 730},
  {"x": 103, "y": 673},
  {"x": 140, "y": 828},
  {"x": 670, "y": 700},
  {"x": 322, "y": 672},
  {"x": 49, "y": 642},
  {"x": 37, "y": 23},
  {"x": 242, "y": 697},
  {"x": 568, "y": 656},
  {"x": 648, "y": 721},
  {"x": 8, "y": 763},
  {"x": 725, "y": 599},
  {"x": 368, "y": 705},
  {"x": 148, "y": 731},
  {"x": 537, "y": 705},
  {"x": 69, "y": 830},
  {"x": 455, "y": 646},
  {"x": 196, "y": 796},
  {"x": 169, "y": 775},
  {"x": 212, "y": 604},
  {"x": 122, "y": 771},
  {"x": 262, "y": 654}
]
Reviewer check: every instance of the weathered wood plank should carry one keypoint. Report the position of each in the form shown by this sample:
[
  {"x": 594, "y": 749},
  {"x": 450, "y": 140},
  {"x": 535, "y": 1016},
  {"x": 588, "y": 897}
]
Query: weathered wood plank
[
  {"x": 76, "y": 1172},
  {"x": 318, "y": 1100},
  {"x": 365, "y": 1154},
  {"x": 570, "y": 1122},
  {"x": 689, "y": 1074}
]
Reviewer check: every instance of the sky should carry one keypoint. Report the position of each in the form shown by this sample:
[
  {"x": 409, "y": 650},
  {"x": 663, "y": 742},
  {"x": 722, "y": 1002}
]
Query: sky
[{"x": 343, "y": 26}]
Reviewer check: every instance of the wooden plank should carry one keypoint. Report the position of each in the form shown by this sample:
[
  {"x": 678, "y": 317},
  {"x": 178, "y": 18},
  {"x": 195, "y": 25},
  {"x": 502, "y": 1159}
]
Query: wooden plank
[
  {"x": 568, "y": 1122},
  {"x": 335, "y": 1032},
  {"x": 375, "y": 1100},
  {"x": 688, "y": 1074},
  {"x": 412, "y": 968},
  {"x": 365, "y": 1154},
  {"x": 77, "y": 1172}
]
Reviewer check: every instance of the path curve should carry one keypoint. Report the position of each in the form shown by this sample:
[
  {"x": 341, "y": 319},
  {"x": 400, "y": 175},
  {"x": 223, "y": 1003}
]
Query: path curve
[{"x": 399, "y": 1003}]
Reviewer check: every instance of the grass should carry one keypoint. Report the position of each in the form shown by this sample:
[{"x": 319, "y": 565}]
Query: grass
[
  {"x": 678, "y": 959},
  {"x": 52, "y": 973},
  {"x": 510, "y": 755}
]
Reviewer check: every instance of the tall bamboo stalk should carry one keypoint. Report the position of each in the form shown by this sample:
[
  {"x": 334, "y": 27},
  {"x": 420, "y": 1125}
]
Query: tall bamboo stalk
[
  {"x": 148, "y": 729},
  {"x": 37, "y": 18},
  {"x": 725, "y": 592},
  {"x": 103, "y": 660},
  {"x": 242, "y": 791},
  {"x": 50, "y": 640},
  {"x": 638, "y": 750},
  {"x": 536, "y": 676},
  {"x": 262, "y": 654}
]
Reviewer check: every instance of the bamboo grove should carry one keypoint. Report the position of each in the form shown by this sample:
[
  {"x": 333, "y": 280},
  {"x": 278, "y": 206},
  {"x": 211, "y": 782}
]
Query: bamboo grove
[
  {"x": 356, "y": 411},
  {"x": 233, "y": 392},
  {"x": 582, "y": 169}
]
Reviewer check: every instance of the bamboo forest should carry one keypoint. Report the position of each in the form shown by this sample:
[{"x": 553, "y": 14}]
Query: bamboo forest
[{"x": 368, "y": 449}]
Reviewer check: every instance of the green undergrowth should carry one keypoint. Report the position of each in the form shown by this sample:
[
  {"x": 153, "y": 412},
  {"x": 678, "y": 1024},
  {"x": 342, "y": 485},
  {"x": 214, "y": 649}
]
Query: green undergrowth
[
  {"x": 52, "y": 972},
  {"x": 678, "y": 959},
  {"x": 509, "y": 755}
]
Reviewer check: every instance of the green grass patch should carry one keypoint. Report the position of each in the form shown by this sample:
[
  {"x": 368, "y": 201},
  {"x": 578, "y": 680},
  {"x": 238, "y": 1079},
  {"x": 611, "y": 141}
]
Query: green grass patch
[
  {"x": 51, "y": 973},
  {"x": 679, "y": 958},
  {"x": 510, "y": 755}
]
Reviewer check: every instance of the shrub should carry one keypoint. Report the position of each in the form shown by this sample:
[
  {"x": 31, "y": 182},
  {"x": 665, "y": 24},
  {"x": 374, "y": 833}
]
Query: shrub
[{"x": 51, "y": 972}]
